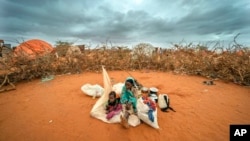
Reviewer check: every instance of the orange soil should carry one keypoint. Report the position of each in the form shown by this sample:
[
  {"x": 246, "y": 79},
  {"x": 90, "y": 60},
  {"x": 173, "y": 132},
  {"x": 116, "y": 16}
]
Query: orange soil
[{"x": 58, "y": 110}]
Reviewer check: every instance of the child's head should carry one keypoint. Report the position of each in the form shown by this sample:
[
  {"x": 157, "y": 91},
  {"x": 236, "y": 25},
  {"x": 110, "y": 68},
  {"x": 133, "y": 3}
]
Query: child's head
[
  {"x": 112, "y": 96},
  {"x": 144, "y": 91}
]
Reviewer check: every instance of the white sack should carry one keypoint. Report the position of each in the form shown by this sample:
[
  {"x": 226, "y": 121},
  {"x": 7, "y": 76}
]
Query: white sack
[
  {"x": 92, "y": 90},
  {"x": 143, "y": 114},
  {"x": 118, "y": 88}
]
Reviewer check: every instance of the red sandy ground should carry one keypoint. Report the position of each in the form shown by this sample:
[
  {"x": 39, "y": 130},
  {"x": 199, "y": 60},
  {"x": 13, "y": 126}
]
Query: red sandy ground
[{"x": 58, "y": 110}]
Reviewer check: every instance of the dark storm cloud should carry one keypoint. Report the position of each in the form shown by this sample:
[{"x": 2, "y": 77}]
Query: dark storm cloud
[
  {"x": 222, "y": 17},
  {"x": 47, "y": 17},
  {"x": 96, "y": 21}
]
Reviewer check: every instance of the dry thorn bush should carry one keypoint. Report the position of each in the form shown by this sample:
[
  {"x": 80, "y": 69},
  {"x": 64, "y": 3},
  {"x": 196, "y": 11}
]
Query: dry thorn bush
[{"x": 231, "y": 64}]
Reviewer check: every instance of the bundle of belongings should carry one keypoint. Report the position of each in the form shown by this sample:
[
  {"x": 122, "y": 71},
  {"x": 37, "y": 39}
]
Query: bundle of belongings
[
  {"x": 147, "y": 107},
  {"x": 125, "y": 103},
  {"x": 92, "y": 90},
  {"x": 164, "y": 103}
]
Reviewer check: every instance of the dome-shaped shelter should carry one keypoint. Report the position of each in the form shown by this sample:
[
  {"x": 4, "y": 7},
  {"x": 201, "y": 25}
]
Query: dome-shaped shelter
[{"x": 33, "y": 48}]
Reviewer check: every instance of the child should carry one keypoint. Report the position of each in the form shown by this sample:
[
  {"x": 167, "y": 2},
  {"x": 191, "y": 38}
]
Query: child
[
  {"x": 151, "y": 104},
  {"x": 113, "y": 106}
]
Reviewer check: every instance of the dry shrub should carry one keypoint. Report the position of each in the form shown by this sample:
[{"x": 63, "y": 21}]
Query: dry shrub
[
  {"x": 142, "y": 55},
  {"x": 231, "y": 64}
]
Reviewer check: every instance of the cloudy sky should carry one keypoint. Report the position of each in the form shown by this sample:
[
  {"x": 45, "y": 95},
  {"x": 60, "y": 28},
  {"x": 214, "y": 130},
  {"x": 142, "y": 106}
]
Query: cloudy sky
[{"x": 125, "y": 22}]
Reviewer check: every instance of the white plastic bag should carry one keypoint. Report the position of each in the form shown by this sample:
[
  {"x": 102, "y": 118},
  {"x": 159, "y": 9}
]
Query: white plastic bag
[
  {"x": 98, "y": 110},
  {"x": 134, "y": 120},
  {"x": 143, "y": 114},
  {"x": 92, "y": 90},
  {"x": 118, "y": 88}
]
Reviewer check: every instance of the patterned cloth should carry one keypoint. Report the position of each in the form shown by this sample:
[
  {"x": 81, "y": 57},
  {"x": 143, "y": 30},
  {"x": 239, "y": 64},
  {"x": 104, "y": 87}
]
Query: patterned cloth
[{"x": 149, "y": 102}]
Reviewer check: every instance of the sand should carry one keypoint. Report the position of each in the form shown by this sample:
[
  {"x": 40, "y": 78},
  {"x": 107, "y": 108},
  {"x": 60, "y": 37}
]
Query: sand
[{"x": 58, "y": 110}]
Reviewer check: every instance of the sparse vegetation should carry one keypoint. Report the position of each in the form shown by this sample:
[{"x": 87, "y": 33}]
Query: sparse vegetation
[{"x": 229, "y": 64}]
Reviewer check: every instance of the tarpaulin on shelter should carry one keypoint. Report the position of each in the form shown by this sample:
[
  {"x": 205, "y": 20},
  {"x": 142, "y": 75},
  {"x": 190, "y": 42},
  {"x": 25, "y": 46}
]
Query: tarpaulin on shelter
[{"x": 33, "y": 48}]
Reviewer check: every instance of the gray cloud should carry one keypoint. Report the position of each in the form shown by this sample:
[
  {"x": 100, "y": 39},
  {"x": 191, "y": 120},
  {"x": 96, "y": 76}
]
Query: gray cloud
[
  {"x": 222, "y": 18},
  {"x": 158, "y": 22}
]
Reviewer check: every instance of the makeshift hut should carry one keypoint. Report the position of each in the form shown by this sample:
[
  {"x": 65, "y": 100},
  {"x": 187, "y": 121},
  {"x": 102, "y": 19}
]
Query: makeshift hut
[{"x": 33, "y": 48}]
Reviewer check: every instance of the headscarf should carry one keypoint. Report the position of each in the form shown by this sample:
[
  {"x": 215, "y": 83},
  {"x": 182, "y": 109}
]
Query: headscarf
[{"x": 130, "y": 80}]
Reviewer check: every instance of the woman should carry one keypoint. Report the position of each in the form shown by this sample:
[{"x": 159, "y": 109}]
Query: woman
[{"x": 128, "y": 94}]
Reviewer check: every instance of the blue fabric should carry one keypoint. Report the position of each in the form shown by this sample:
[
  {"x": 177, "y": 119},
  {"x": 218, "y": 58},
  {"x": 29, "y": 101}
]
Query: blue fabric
[{"x": 150, "y": 115}]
